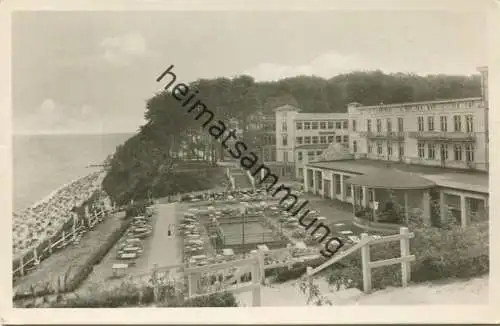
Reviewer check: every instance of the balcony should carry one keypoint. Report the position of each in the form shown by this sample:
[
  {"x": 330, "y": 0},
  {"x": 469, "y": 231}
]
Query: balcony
[
  {"x": 443, "y": 136},
  {"x": 392, "y": 135}
]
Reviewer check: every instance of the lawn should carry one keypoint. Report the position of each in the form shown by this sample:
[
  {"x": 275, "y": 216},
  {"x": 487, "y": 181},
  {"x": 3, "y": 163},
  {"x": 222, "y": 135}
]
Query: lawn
[{"x": 73, "y": 256}]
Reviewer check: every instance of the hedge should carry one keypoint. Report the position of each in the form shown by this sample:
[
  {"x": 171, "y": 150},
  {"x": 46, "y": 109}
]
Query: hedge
[
  {"x": 440, "y": 254},
  {"x": 133, "y": 295},
  {"x": 84, "y": 270}
]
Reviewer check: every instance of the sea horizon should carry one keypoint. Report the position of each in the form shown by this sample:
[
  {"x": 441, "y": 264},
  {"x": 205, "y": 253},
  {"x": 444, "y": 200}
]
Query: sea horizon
[{"x": 45, "y": 162}]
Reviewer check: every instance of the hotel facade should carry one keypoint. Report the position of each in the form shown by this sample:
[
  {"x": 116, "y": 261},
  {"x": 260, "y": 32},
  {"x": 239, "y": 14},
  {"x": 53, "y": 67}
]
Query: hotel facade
[
  {"x": 446, "y": 133},
  {"x": 426, "y": 159}
]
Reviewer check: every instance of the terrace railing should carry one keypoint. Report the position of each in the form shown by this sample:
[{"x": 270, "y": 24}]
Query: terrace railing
[
  {"x": 31, "y": 258},
  {"x": 405, "y": 259}
]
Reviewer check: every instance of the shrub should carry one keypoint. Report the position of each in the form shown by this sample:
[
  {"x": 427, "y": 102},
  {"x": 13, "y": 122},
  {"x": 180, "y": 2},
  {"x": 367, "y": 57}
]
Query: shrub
[
  {"x": 73, "y": 280},
  {"x": 454, "y": 253},
  {"x": 133, "y": 295},
  {"x": 224, "y": 299},
  {"x": 283, "y": 274}
]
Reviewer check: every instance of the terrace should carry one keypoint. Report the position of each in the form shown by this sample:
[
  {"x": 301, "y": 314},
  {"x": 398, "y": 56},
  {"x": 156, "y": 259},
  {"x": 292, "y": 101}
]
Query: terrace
[{"x": 461, "y": 195}]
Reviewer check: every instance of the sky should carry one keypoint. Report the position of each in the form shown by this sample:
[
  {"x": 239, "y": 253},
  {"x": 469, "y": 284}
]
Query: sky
[{"x": 92, "y": 72}]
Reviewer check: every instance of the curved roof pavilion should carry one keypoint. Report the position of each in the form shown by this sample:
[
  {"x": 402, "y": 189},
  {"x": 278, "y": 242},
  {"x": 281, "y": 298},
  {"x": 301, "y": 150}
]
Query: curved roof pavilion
[{"x": 391, "y": 179}]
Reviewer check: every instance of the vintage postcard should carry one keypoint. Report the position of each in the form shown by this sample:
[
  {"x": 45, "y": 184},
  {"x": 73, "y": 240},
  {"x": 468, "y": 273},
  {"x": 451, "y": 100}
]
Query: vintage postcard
[{"x": 300, "y": 162}]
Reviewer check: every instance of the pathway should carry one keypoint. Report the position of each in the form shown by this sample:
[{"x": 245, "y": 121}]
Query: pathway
[{"x": 165, "y": 250}]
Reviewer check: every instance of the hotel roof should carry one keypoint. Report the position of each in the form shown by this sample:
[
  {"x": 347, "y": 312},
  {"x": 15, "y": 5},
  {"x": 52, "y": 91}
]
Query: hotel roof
[
  {"x": 475, "y": 181},
  {"x": 394, "y": 105},
  {"x": 321, "y": 116}
]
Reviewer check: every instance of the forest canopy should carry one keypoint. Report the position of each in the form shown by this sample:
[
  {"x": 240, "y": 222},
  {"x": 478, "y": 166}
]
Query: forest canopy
[{"x": 144, "y": 164}]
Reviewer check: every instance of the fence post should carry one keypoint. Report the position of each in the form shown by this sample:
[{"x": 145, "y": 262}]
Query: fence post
[
  {"x": 365, "y": 263},
  {"x": 155, "y": 282},
  {"x": 21, "y": 265},
  {"x": 193, "y": 279},
  {"x": 256, "y": 279},
  {"x": 260, "y": 258},
  {"x": 50, "y": 245},
  {"x": 405, "y": 251},
  {"x": 35, "y": 257},
  {"x": 74, "y": 226}
]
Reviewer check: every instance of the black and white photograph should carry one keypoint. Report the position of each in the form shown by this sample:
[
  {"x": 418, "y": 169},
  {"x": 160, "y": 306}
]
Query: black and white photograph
[{"x": 273, "y": 157}]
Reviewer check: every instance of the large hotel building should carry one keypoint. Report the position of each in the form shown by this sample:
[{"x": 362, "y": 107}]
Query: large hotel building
[
  {"x": 446, "y": 133},
  {"x": 416, "y": 154}
]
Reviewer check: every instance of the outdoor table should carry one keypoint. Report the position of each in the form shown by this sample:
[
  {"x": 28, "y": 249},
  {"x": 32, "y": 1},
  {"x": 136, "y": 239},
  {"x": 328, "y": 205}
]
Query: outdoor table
[
  {"x": 354, "y": 238},
  {"x": 130, "y": 255},
  {"x": 228, "y": 252},
  {"x": 263, "y": 248},
  {"x": 300, "y": 245},
  {"x": 131, "y": 249},
  {"x": 117, "y": 268}
]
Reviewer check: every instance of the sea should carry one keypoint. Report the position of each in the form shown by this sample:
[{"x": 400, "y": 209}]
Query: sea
[{"x": 43, "y": 163}]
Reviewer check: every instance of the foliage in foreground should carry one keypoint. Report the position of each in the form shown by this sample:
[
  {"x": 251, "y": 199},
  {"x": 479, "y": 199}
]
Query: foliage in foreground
[
  {"x": 440, "y": 254},
  {"x": 128, "y": 294}
]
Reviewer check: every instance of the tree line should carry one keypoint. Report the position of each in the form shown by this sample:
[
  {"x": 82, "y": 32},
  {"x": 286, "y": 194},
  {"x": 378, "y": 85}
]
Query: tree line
[{"x": 144, "y": 165}]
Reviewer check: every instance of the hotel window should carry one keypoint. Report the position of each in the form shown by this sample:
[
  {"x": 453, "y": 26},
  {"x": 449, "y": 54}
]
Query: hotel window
[
  {"x": 346, "y": 139},
  {"x": 379, "y": 148},
  {"x": 420, "y": 121},
  {"x": 322, "y": 125},
  {"x": 354, "y": 146},
  {"x": 331, "y": 139},
  {"x": 298, "y": 140},
  {"x": 379, "y": 125},
  {"x": 469, "y": 120},
  {"x": 322, "y": 139},
  {"x": 457, "y": 122},
  {"x": 457, "y": 150},
  {"x": 283, "y": 125},
  {"x": 299, "y": 156},
  {"x": 431, "y": 151},
  {"x": 443, "y": 121},
  {"x": 369, "y": 149},
  {"x": 345, "y": 124},
  {"x": 400, "y": 124},
  {"x": 389, "y": 149},
  {"x": 330, "y": 124},
  {"x": 369, "y": 125},
  {"x": 430, "y": 123},
  {"x": 318, "y": 153},
  {"x": 421, "y": 150},
  {"x": 285, "y": 157},
  {"x": 266, "y": 156},
  {"x": 389, "y": 124},
  {"x": 338, "y": 139},
  {"x": 353, "y": 125},
  {"x": 348, "y": 190},
  {"x": 444, "y": 151},
  {"x": 401, "y": 150},
  {"x": 307, "y": 125},
  {"x": 469, "y": 153},
  {"x": 298, "y": 125},
  {"x": 310, "y": 156},
  {"x": 307, "y": 140},
  {"x": 314, "y": 125},
  {"x": 314, "y": 139},
  {"x": 285, "y": 139},
  {"x": 338, "y": 185},
  {"x": 338, "y": 125}
]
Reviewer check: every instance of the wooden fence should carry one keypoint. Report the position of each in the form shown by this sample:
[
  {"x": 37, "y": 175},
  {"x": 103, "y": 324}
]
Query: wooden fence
[
  {"x": 248, "y": 273},
  {"x": 405, "y": 259},
  {"x": 68, "y": 232}
]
